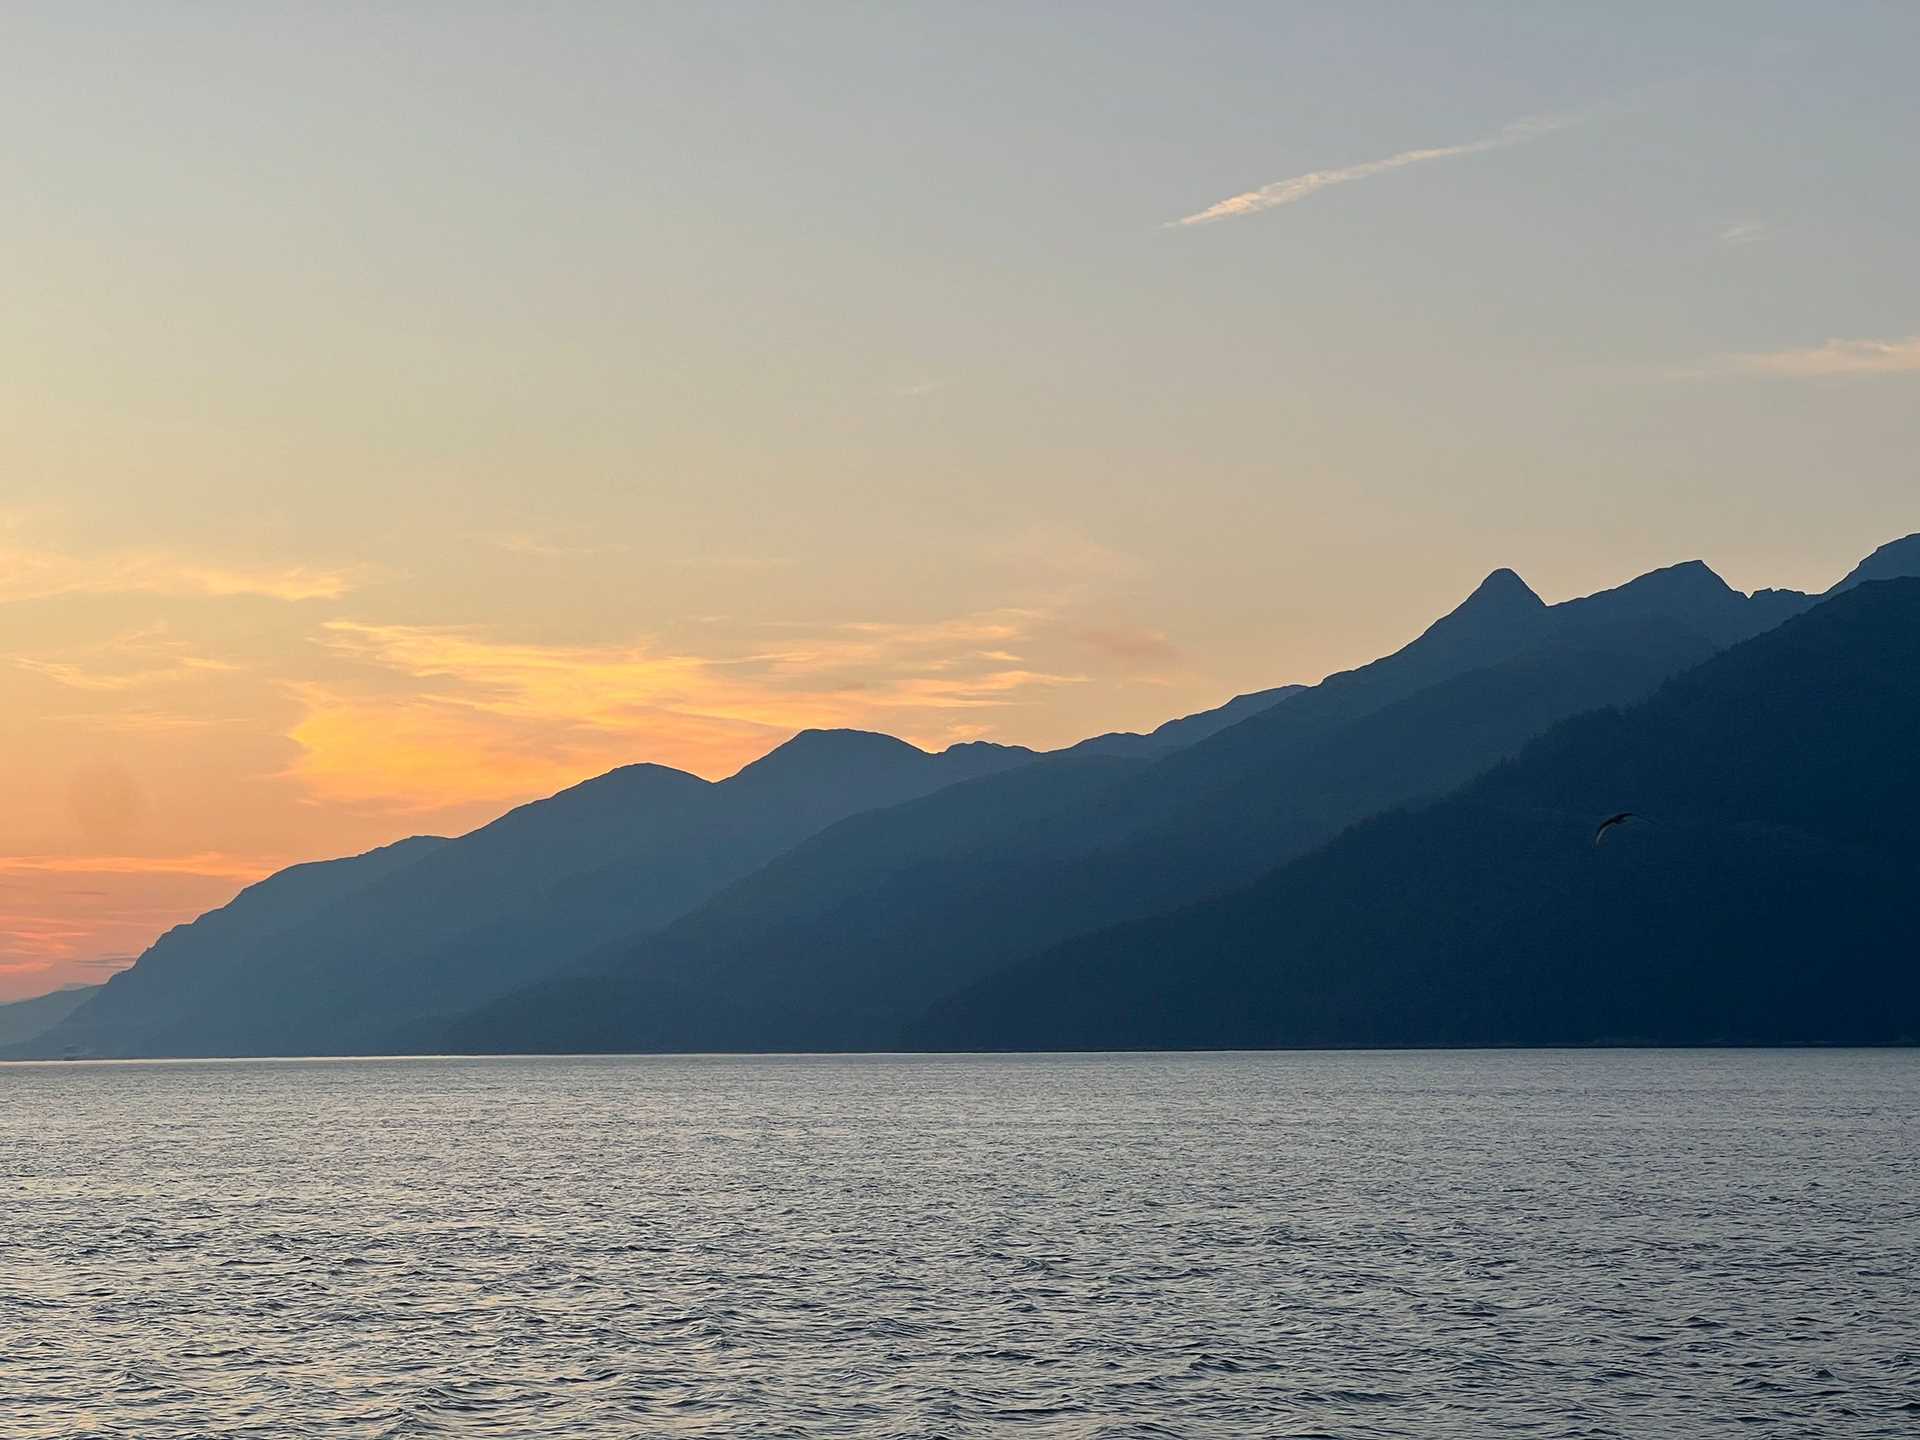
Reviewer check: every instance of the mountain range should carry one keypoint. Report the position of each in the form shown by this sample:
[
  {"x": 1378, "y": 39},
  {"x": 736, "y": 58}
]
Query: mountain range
[
  {"x": 354, "y": 954},
  {"x": 1387, "y": 857},
  {"x": 1766, "y": 890}
]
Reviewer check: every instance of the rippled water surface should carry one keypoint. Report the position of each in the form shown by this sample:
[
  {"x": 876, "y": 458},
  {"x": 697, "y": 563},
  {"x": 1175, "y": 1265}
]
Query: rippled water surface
[{"x": 1634, "y": 1244}]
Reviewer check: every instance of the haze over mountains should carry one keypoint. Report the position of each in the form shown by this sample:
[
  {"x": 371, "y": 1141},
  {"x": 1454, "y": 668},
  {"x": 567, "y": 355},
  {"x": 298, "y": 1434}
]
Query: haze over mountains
[
  {"x": 21, "y": 1020},
  {"x": 345, "y": 954},
  {"x": 1221, "y": 881}
]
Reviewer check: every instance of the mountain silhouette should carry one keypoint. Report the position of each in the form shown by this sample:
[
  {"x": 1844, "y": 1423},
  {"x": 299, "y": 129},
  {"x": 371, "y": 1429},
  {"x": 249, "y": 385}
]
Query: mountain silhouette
[
  {"x": 182, "y": 972},
  {"x": 1894, "y": 560},
  {"x": 837, "y": 891},
  {"x": 23, "y": 1020},
  {"x": 1692, "y": 594},
  {"x": 1771, "y": 902},
  {"x": 344, "y": 955},
  {"x": 1501, "y": 616},
  {"x": 837, "y": 943},
  {"x": 1187, "y": 730},
  {"x": 360, "y": 953}
]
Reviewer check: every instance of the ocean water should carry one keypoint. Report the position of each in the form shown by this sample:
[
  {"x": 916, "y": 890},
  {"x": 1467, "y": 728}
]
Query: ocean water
[{"x": 1442, "y": 1244}]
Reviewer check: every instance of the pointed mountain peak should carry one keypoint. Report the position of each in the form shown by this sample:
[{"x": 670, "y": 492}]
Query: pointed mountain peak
[
  {"x": 1895, "y": 560},
  {"x": 1501, "y": 615},
  {"x": 1502, "y": 590}
]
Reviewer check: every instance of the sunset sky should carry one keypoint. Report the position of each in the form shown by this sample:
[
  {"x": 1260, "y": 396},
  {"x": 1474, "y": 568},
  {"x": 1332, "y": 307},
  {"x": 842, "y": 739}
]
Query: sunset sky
[{"x": 406, "y": 411}]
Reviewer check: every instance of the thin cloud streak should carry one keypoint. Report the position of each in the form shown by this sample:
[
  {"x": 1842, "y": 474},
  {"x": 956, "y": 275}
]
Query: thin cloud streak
[
  {"x": 211, "y": 864},
  {"x": 1298, "y": 187},
  {"x": 1834, "y": 358},
  {"x": 27, "y": 574},
  {"x": 52, "y": 930},
  {"x": 148, "y": 656}
]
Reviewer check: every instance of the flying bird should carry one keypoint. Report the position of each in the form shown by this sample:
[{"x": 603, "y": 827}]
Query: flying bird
[{"x": 1611, "y": 821}]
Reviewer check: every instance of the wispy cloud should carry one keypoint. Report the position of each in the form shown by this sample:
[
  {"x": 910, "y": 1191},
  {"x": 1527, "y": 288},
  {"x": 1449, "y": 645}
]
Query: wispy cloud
[
  {"x": 442, "y": 715},
  {"x": 883, "y": 648},
  {"x": 1298, "y": 187},
  {"x": 111, "y": 964},
  {"x": 1835, "y": 358},
  {"x": 133, "y": 660},
  {"x": 124, "y": 723},
  {"x": 1741, "y": 232},
  {"x": 28, "y": 573},
  {"x": 52, "y": 931},
  {"x": 211, "y": 864}
]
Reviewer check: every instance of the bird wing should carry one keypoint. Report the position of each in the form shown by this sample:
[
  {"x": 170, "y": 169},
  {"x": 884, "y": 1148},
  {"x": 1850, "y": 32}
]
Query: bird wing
[{"x": 1611, "y": 821}]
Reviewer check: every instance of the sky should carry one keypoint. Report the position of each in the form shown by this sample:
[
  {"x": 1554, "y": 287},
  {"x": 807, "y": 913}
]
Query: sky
[{"x": 407, "y": 411}]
